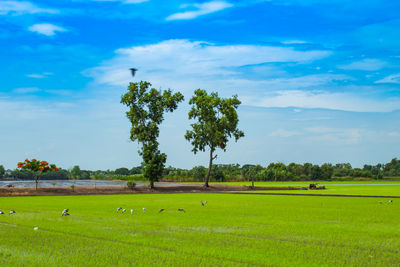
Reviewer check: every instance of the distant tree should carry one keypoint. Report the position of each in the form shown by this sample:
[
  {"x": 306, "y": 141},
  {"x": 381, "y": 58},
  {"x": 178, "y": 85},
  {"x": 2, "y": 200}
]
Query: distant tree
[
  {"x": 122, "y": 171},
  {"x": 316, "y": 172},
  {"x": 136, "y": 170},
  {"x": 326, "y": 171},
  {"x": 198, "y": 172},
  {"x": 76, "y": 172},
  {"x": 37, "y": 167},
  {"x": 146, "y": 112},
  {"x": 2, "y": 171},
  {"x": 217, "y": 121}
]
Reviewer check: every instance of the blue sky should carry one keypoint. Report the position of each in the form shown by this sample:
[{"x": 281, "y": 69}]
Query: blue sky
[{"x": 319, "y": 81}]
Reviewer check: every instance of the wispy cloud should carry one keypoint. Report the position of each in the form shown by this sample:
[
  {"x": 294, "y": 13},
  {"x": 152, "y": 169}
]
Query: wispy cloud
[
  {"x": 46, "y": 29},
  {"x": 199, "y": 10},
  {"x": 367, "y": 64},
  {"x": 394, "y": 78},
  {"x": 284, "y": 133},
  {"x": 324, "y": 99},
  {"x": 39, "y": 76},
  {"x": 26, "y": 90},
  {"x": 185, "y": 64},
  {"x": 123, "y": 1},
  {"x": 23, "y": 7}
]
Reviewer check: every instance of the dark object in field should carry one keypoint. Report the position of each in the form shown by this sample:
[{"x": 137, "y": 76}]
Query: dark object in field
[
  {"x": 312, "y": 186},
  {"x": 181, "y": 210},
  {"x": 380, "y": 202},
  {"x": 161, "y": 210},
  {"x": 133, "y": 71},
  {"x": 9, "y": 185},
  {"x": 119, "y": 209},
  {"x": 11, "y": 212},
  {"x": 1, "y": 212},
  {"x": 390, "y": 201},
  {"x": 202, "y": 202}
]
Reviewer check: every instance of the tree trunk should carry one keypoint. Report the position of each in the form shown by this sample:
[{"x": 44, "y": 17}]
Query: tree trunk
[
  {"x": 252, "y": 183},
  {"x": 151, "y": 184},
  {"x": 209, "y": 168},
  {"x": 36, "y": 181}
]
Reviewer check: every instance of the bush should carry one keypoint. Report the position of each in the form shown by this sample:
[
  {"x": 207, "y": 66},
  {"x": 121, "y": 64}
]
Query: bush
[{"x": 131, "y": 184}]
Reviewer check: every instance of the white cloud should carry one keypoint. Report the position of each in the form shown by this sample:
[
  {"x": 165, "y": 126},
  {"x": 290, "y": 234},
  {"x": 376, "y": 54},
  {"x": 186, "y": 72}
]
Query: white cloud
[
  {"x": 367, "y": 64},
  {"x": 284, "y": 133},
  {"x": 22, "y": 7},
  {"x": 394, "y": 78},
  {"x": 39, "y": 76},
  {"x": 323, "y": 99},
  {"x": 123, "y": 1},
  {"x": 199, "y": 10},
  {"x": 294, "y": 42},
  {"x": 336, "y": 135},
  {"x": 185, "y": 65},
  {"x": 25, "y": 90},
  {"x": 46, "y": 29}
]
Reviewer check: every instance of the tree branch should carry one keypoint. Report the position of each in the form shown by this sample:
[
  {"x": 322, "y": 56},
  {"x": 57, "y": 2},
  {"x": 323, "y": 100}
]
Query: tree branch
[{"x": 215, "y": 157}]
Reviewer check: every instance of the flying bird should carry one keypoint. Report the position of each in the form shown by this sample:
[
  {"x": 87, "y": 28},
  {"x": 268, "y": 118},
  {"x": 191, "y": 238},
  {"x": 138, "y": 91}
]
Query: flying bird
[
  {"x": 161, "y": 210},
  {"x": 133, "y": 71},
  {"x": 11, "y": 212},
  {"x": 132, "y": 210},
  {"x": 182, "y": 210}
]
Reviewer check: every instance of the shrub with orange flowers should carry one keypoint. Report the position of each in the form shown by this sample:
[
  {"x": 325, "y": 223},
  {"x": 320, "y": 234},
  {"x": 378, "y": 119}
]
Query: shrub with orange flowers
[{"x": 37, "y": 167}]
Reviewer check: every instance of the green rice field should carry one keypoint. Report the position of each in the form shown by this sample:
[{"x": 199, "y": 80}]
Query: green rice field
[
  {"x": 378, "y": 188},
  {"x": 230, "y": 230}
]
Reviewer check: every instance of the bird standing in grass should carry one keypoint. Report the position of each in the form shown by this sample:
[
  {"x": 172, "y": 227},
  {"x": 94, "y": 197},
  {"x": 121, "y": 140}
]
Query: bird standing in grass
[
  {"x": 1, "y": 212},
  {"x": 161, "y": 210},
  {"x": 123, "y": 210},
  {"x": 380, "y": 202},
  {"x": 132, "y": 210},
  {"x": 144, "y": 209},
  {"x": 119, "y": 209},
  {"x": 65, "y": 212},
  {"x": 390, "y": 201},
  {"x": 182, "y": 210},
  {"x": 202, "y": 202},
  {"x": 11, "y": 212}
]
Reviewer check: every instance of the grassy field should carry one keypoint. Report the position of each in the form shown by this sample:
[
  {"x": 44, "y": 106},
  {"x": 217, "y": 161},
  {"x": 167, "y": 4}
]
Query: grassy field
[
  {"x": 230, "y": 230},
  {"x": 376, "y": 188}
]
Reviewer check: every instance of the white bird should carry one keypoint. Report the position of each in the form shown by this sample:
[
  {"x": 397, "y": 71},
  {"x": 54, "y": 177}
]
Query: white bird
[
  {"x": 144, "y": 209},
  {"x": 181, "y": 210},
  {"x": 65, "y": 210},
  {"x": 132, "y": 210},
  {"x": 119, "y": 209},
  {"x": 1, "y": 212},
  {"x": 123, "y": 210},
  {"x": 65, "y": 214},
  {"x": 205, "y": 202},
  {"x": 35, "y": 228},
  {"x": 11, "y": 212},
  {"x": 161, "y": 210},
  {"x": 390, "y": 201}
]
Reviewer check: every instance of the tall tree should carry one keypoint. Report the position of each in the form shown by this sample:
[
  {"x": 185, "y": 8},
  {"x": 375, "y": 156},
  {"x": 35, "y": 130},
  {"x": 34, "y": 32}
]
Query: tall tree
[
  {"x": 217, "y": 121},
  {"x": 2, "y": 171},
  {"x": 146, "y": 112}
]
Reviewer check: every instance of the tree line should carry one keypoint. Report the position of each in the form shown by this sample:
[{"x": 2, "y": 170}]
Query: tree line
[{"x": 229, "y": 172}]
